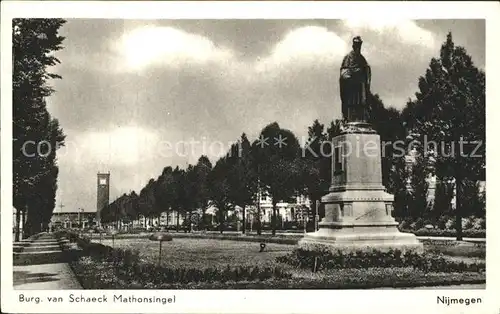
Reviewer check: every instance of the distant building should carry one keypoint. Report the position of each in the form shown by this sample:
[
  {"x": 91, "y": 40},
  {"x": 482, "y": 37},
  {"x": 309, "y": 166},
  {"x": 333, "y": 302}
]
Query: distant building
[
  {"x": 165, "y": 219},
  {"x": 73, "y": 219},
  {"x": 296, "y": 209}
]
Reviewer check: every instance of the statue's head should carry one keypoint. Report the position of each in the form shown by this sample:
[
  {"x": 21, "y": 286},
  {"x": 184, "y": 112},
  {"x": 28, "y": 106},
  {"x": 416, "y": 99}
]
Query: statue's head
[{"x": 356, "y": 43}]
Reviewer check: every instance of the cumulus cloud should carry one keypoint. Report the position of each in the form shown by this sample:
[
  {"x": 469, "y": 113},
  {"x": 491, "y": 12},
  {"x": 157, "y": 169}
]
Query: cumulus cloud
[
  {"x": 391, "y": 41},
  {"x": 152, "y": 45},
  {"x": 403, "y": 31},
  {"x": 125, "y": 145},
  {"x": 307, "y": 45}
]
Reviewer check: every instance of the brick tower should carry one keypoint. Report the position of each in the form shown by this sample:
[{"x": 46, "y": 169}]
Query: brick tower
[{"x": 102, "y": 194}]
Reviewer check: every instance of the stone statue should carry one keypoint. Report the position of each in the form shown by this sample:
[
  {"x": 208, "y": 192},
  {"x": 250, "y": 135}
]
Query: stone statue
[
  {"x": 355, "y": 78},
  {"x": 358, "y": 210}
]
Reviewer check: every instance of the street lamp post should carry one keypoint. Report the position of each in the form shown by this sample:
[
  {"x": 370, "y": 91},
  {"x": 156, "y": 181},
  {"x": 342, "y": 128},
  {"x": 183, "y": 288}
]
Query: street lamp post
[
  {"x": 316, "y": 217},
  {"x": 80, "y": 213},
  {"x": 251, "y": 222},
  {"x": 113, "y": 233},
  {"x": 160, "y": 237}
]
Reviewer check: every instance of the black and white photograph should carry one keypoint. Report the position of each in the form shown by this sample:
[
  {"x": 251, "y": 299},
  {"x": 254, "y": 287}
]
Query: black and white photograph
[{"x": 292, "y": 154}]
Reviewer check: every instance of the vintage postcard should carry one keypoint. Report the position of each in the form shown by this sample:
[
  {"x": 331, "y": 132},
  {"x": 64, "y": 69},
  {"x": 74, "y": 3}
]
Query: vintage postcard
[{"x": 249, "y": 157}]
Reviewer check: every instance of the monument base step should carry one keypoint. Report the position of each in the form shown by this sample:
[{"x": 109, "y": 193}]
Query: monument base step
[{"x": 337, "y": 240}]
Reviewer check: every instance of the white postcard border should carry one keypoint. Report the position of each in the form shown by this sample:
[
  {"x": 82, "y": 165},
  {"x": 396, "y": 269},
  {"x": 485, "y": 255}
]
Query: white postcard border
[{"x": 253, "y": 301}]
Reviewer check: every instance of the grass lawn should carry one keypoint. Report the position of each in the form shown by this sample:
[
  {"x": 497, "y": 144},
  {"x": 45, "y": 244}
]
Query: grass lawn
[
  {"x": 456, "y": 248},
  {"x": 203, "y": 253}
]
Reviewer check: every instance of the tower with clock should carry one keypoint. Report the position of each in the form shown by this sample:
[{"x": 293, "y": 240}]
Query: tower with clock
[{"x": 102, "y": 194}]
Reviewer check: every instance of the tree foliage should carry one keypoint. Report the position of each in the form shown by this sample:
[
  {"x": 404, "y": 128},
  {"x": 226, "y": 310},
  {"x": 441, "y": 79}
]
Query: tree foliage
[
  {"x": 242, "y": 176},
  {"x": 276, "y": 165},
  {"x": 279, "y": 163},
  {"x": 37, "y": 134},
  {"x": 449, "y": 110}
]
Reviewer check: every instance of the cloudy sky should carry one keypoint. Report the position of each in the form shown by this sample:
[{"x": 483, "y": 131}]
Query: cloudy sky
[{"x": 137, "y": 96}]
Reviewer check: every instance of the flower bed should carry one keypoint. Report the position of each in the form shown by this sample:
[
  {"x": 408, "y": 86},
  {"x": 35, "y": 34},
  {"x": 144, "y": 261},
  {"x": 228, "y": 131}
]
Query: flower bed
[
  {"x": 112, "y": 273},
  {"x": 100, "y": 276},
  {"x": 320, "y": 259}
]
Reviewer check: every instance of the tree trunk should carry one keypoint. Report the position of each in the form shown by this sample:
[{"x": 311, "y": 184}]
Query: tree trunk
[
  {"x": 177, "y": 225},
  {"x": 273, "y": 220},
  {"x": 458, "y": 207},
  {"x": 18, "y": 225},
  {"x": 259, "y": 224},
  {"x": 203, "y": 218},
  {"x": 244, "y": 220},
  {"x": 315, "y": 210},
  {"x": 221, "y": 221},
  {"x": 24, "y": 219}
]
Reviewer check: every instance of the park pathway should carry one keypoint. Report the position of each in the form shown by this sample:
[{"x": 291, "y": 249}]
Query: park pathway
[{"x": 40, "y": 264}]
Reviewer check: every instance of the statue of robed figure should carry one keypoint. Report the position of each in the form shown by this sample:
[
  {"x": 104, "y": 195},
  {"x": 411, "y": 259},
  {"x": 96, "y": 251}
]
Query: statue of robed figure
[{"x": 355, "y": 79}]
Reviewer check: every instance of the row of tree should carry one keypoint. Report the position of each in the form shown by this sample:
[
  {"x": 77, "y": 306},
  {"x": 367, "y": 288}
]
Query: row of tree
[
  {"x": 37, "y": 134},
  {"x": 449, "y": 107}
]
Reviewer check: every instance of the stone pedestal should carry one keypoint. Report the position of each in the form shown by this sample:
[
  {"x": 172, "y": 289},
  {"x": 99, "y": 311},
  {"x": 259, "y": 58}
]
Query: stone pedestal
[{"x": 358, "y": 209}]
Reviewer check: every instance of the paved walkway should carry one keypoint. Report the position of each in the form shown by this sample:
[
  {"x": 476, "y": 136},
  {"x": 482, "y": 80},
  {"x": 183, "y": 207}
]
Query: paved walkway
[
  {"x": 474, "y": 240},
  {"x": 56, "y": 276},
  {"x": 39, "y": 265}
]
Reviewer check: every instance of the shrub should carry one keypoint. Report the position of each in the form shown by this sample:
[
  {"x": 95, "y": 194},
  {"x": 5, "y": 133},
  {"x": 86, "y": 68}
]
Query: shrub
[
  {"x": 137, "y": 230},
  {"x": 478, "y": 224},
  {"x": 417, "y": 224},
  {"x": 467, "y": 223},
  {"x": 450, "y": 223},
  {"x": 472, "y": 227},
  {"x": 442, "y": 221},
  {"x": 405, "y": 224},
  {"x": 471, "y": 233}
]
